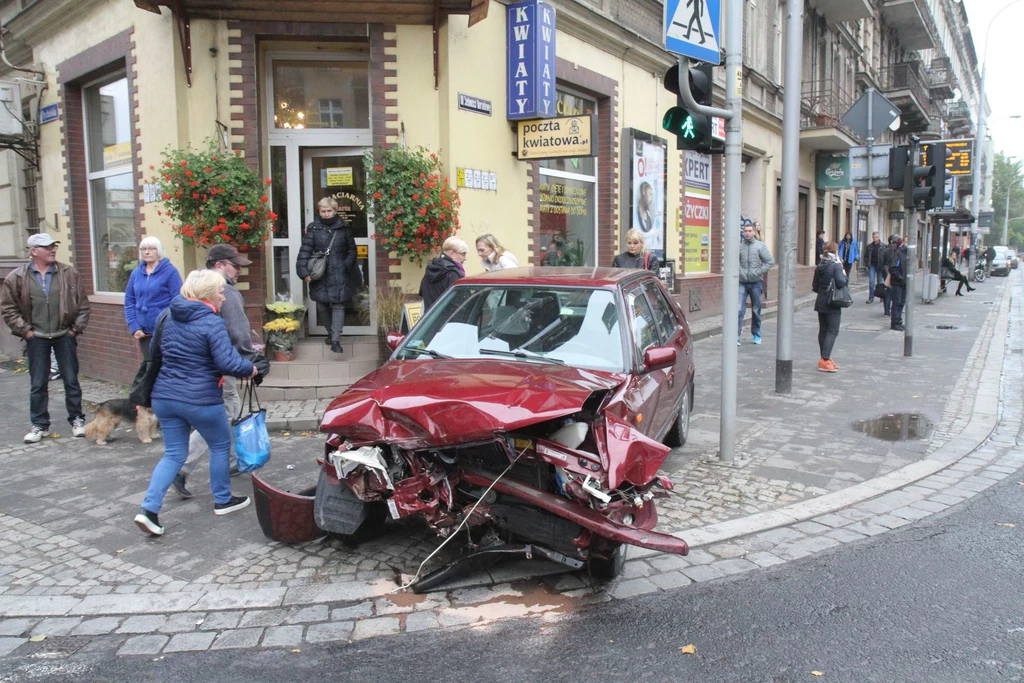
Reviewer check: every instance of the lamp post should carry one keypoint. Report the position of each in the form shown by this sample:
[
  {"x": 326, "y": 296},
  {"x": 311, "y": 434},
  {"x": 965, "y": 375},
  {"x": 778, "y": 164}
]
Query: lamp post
[
  {"x": 979, "y": 137},
  {"x": 1006, "y": 213}
]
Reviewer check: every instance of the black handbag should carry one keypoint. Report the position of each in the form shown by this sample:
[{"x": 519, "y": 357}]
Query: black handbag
[
  {"x": 318, "y": 260},
  {"x": 142, "y": 387},
  {"x": 838, "y": 297},
  {"x": 880, "y": 290}
]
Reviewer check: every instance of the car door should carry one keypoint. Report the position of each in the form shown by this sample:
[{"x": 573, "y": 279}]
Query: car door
[
  {"x": 644, "y": 396},
  {"x": 674, "y": 334}
]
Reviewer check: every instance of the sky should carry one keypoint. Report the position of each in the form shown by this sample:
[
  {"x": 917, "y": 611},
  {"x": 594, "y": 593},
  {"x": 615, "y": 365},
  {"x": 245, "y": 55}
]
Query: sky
[{"x": 1002, "y": 86}]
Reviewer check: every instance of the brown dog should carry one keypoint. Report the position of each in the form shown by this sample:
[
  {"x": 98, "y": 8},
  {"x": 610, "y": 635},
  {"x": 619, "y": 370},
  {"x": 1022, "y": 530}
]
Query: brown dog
[{"x": 110, "y": 414}]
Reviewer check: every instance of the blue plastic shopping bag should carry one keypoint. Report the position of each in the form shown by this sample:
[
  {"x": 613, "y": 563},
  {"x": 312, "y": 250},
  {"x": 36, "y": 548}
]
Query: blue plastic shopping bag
[{"x": 252, "y": 442}]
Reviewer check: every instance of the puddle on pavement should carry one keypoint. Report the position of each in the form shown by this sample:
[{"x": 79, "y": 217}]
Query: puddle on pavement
[{"x": 896, "y": 427}]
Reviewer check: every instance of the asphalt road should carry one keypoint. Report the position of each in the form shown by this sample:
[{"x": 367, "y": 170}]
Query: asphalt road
[{"x": 937, "y": 601}]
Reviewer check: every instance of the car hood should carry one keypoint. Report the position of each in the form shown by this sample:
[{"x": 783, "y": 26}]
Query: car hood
[{"x": 417, "y": 404}]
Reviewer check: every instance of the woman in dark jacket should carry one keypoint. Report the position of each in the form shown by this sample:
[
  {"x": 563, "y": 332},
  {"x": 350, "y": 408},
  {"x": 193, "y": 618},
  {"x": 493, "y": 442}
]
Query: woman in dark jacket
[
  {"x": 443, "y": 271},
  {"x": 196, "y": 353},
  {"x": 951, "y": 272},
  {"x": 149, "y": 292},
  {"x": 636, "y": 254},
  {"x": 330, "y": 235},
  {"x": 829, "y": 316}
]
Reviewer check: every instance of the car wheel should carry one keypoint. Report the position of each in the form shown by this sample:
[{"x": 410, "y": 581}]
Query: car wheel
[
  {"x": 680, "y": 430},
  {"x": 601, "y": 568}
]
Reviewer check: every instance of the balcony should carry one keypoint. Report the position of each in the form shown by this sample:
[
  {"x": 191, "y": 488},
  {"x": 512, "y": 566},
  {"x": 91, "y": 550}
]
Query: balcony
[
  {"x": 822, "y": 105},
  {"x": 959, "y": 119},
  {"x": 940, "y": 79},
  {"x": 905, "y": 17},
  {"x": 903, "y": 86},
  {"x": 837, "y": 11}
]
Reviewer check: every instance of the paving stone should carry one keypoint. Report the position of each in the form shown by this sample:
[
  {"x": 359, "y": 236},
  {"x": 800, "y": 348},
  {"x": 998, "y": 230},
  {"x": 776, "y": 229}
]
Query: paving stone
[
  {"x": 832, "y": 520},
  {"x": 696, "y": 557},
  {"x": 268, "y": 617},
  {"x": 780, "y": 535},
  {"x": 667, "y": 563},
  {"x": 887, "y": 521},
  {"x": 237, "y": 638},
  {"x": 727, "y": 550},
  {"x": 283, "y": 636},
  {"x": 191, "y": 642},
  {"x": 456, "y": 616},
  {"x": 357, "y": 611},
  {"x": 56, "y": 626},
  {"x": 380, "y": 626},
  {"x": 928, "y": 506},
  {"x": 421, "y": 621},
  {"x": 221, "y": 621},
  {"x": 9, "y": 645},
  {"x": 867, "y": 528},
  {"x": 702, "y": 572},
  {"x": 16, "y": 627},
  {"x": 632, "y": 587},
  {"x": 184, "y": 622},
  {"x": 143, "y": 645},
  {"x": 147, "y": 623},
  {"x": 946, "y": 499},
  {"x": 765, "y": 559},
  {"x": 635, "y": 569},
  {"x": 308, "y": 615},
  {"x": 910, "y": 513},
  {"x": 329, "y": 632},
  {"x": 734, "y": 566},
  {"x": 845, "y": 535},
  {"x": 668, "y": 580},
  {"x": 97, "y": 627}
]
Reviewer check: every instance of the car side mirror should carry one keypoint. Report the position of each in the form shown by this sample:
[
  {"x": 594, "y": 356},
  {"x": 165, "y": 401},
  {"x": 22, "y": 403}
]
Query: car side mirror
[
  {"x": 659, "y": 357},
  {"x": 393, "y": 339}
]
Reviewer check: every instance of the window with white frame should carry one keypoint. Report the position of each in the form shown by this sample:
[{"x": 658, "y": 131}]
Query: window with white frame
[{"x": 108, "y": 151}]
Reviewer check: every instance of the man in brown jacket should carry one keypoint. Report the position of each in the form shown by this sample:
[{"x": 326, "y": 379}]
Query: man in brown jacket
[{"x": 43, "y": 302}]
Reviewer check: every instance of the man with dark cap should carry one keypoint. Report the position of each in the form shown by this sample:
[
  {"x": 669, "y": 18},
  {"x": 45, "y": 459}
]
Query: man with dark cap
[
  {"x": 44, "y": 303},
  {"x": 228, "y": 261},
  {"x": 897, "y": 272}
]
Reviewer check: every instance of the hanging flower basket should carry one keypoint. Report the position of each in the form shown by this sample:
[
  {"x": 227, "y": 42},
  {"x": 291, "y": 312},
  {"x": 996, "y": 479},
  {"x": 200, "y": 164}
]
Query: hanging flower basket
[
  {"x": 214, "y": 197},
  {"x": 413, "y": 208}
]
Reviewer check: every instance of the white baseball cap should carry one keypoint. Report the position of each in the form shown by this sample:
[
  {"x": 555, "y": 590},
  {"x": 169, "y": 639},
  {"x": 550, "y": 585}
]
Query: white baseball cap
[{"x": 41, "y": 240}]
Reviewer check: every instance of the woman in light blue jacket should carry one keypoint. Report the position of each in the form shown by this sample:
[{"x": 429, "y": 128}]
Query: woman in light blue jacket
[
  {"x": 149, "y": 292},
  {"x": 848, "y": 252}
]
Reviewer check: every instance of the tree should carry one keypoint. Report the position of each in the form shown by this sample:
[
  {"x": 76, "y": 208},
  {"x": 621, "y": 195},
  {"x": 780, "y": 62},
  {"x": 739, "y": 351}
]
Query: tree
[{"x": 1008, "y": 178}]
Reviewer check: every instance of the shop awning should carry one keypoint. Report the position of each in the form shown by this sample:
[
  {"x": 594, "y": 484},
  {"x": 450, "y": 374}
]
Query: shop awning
[{"x": 342, "y": 11}]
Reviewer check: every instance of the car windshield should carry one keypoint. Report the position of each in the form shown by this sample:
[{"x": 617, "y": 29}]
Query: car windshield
[{"x": 574, "y": 326}]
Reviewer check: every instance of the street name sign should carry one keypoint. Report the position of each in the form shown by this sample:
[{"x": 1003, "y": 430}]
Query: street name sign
[{"x": 691, "y": 29}]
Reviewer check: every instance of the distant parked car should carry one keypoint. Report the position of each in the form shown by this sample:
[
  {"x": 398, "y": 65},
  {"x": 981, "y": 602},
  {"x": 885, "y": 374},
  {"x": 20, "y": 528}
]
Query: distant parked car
[
  {"x": 1001, "y": 261},
  {"x": 1013, "y": 258}
]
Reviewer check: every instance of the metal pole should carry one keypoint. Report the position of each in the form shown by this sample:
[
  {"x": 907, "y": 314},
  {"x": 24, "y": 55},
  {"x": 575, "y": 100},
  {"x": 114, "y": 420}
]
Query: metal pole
[
  {"x": 790, "y": 180},
  {"x": 911, "y": 239},
  {"x": 1006, "y": 214},
  {"x": 731, "y": 267}
]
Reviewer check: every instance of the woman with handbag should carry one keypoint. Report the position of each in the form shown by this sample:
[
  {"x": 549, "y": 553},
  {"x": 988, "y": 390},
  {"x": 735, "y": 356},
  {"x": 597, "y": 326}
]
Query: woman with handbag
[
  {"x": 831, "y": 285},
  {"x": 636, "y": 254},
  {"x": 194, "y": 352},
  {"x": 326, "y": 258}
]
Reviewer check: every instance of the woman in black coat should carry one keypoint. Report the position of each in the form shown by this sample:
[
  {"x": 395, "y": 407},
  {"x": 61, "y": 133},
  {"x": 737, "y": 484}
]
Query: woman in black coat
[
  {"x": 331, "y": 292},
  {"x": 829, "y": 316},
  {"x": 443, "y": 271}
]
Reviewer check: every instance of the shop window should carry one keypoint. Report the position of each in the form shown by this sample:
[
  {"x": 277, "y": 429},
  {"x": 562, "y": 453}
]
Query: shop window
[
  {"x": 111, "y": 195},
  {"x": 321, "y": 94},
  {"x": 568, "y": 199}
]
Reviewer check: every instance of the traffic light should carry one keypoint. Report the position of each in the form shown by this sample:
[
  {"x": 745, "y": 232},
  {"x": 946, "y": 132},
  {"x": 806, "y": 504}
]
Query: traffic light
[
  {"x": 899, "y": 157},
  {"x": 920, "y": 192},
  {"x": 937, "y": 155},
  {"x": 692, "y": 130}
]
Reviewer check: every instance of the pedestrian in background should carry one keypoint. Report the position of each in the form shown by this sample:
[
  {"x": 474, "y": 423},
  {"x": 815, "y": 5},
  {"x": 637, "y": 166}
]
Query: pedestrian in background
[
  {"x": 965, "y": 255},
  {"x": 636, "y": 254},
  {"x": 873, "y": 260},
  {"x": 492, "y": 255},
  {"x": 819, "y": 246},
  {"x": 885, "y": 260},
  {"x": 897, "y": 276},
  {"x": 848, "y": 252},
  {"x": 443, "y": 271},
  {"x": 44, "y": 303},
  {"x": 990, "y": 255},
  {"x": 225, "y": 260},
  {"x": 755, "y": 261},
  {"x": 330, "y": 236},
  {"x": 197, "y": 352},
  {"x": 950, "y": 272},
  {"x": 829, "y": 317},
  {"x": 149, "y": 292}
]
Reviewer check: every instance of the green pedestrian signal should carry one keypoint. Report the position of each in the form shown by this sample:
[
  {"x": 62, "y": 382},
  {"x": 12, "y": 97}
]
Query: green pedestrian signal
[{"x": 692, "y": 131}]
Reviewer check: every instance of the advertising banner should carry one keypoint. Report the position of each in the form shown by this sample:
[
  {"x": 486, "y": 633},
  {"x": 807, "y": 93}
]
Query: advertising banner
[
  {"x": 648, "y": 201},
  {"x": 530, "y": 60},
  {"x": 697, "y": 214}
]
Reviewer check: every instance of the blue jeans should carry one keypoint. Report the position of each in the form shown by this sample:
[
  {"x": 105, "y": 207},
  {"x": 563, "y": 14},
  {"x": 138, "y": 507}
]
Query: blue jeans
[
  {"x": 177, "y": 418},
  {"x": 872, "y": 281},
  {"x": 899, "y": 294},
  {"x": 65, "y": 349},
  {"x": 753, "y": 290}
]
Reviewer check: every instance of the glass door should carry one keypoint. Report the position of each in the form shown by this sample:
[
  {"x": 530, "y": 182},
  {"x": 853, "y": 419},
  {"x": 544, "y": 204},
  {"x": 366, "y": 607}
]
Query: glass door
[{"x": 338, "y": 172}]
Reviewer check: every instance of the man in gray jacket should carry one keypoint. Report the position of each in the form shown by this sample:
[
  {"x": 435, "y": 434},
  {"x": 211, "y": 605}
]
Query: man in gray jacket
[
  {"x": 226, "y": 260},
  {"x": 755, "y": 261}
]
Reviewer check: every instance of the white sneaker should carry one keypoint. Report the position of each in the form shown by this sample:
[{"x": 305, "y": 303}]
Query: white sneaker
[
  {"x": 37, "y": 433},
  {"x": 78, "y": 427}
]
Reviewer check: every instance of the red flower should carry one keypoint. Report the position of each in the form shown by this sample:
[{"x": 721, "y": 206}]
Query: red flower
[
  {"x": 241, "y": 207},
  {"x": 423, "y": 212},
  {"x": 195, "y": 195},
  {"x": 268, "y": 181},
  {"x": 152, "y": 167},
  {"x": 207, "y": 169},
  {"x": 415, "y": 197},
  {"x": 376, "y": 195},
  {"x": 188, "y": 174},
  {"x": 378, "y": 168},
  {"x": 264, "y": 199},
  {"x": 243, "y": 226},
  {"x": 184, "y": 162}
]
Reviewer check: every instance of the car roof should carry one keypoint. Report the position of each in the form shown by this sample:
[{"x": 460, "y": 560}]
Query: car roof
[{"x": 558, "y": 276}]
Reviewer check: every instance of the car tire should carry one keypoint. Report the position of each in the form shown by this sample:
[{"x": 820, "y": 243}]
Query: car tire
[
  {"x": 606, "y": 569},
  {"x": 680, "y": 430}
]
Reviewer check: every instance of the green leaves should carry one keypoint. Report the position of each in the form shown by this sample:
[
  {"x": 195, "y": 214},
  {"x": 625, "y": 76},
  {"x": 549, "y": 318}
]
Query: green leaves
[{"x": 413, "y": 207}]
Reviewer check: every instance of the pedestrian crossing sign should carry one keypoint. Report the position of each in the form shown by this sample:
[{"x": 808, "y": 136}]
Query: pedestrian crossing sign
[{"x": 691, "y": 29}]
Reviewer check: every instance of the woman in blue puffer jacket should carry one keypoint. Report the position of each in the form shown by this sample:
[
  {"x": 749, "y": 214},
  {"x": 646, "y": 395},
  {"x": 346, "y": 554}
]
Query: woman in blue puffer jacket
[
  {"x": 196, "y": 353},
  {"x": 150, "y": 289}
]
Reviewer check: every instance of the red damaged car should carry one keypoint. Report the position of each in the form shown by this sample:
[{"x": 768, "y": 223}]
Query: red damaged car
[{"x": 531, "y": 406}]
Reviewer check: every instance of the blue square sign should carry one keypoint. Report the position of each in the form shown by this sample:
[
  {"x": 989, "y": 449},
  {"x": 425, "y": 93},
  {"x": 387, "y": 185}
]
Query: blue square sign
[{"x": 691, "y": 29}]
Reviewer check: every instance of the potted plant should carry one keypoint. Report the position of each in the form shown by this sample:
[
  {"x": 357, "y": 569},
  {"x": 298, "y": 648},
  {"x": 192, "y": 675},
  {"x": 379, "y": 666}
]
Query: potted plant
[
  {"x": 281, "y": 335},
  {"x": 214, "y": 197},
  {"x": 413, "y": 208},
  {"x": 390, "y": 301},
  {"x": 286, "y": 309}
]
